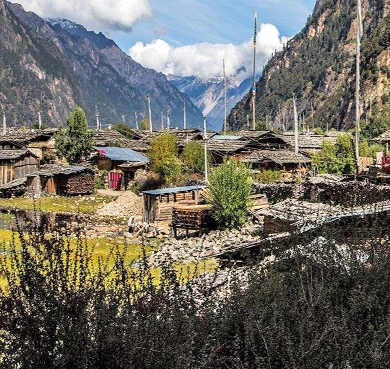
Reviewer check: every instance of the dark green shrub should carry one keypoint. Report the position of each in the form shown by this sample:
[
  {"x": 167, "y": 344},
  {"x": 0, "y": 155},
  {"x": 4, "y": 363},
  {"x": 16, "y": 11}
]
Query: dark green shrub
[{"x": 230, "y": 188}]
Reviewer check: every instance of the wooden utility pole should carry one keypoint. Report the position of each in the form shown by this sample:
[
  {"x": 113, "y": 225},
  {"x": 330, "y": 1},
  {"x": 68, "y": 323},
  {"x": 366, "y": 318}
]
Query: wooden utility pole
[
  {"x": 224, "y": 98},
  {"x": 312, "y": 114},
  {"x": 39, "y": 119},
  {"x": 97, "y": 115},
  {"x": 206, "y": 169},
  {"x": 168, "y": 118},
  {"x": 296, "y": 127},
  {"x": 184, "y": 115},
  {"x": 4, "y": 124},
  {"x": 358, "y": 40},
  {"x": 254, "y": 88},
  {"x": 150, "y": 113}
]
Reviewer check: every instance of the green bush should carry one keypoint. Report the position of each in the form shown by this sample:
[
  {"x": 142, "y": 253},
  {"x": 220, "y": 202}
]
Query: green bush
[
  {"x": 100, "y": 183},
  {"x": 193, "y": 157},
  {"x": 319, "y": 305},
  {"x": 336, "y": 158},
  {"x": 230, "y": 188},
  {"x": 269, "y": 176}
]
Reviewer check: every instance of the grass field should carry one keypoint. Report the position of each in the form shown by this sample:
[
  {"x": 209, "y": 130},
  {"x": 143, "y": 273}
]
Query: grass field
[
  {"x": 82, "y": 204},
  {"x": 102, "y": 248}
]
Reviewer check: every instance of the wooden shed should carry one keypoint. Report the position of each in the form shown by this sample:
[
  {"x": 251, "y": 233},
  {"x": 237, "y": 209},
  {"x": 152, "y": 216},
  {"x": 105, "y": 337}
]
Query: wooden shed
[
  {"x": 16, "y": 164},
  {"x": 158, "y": 204},
  {"x": 61, "y": 180}
]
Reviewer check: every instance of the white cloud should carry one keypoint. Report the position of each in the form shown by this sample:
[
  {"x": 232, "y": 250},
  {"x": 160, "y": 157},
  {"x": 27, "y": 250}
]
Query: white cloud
[
  {"x": 96, "y": 15},
  {"x": 205, "y": 59}
]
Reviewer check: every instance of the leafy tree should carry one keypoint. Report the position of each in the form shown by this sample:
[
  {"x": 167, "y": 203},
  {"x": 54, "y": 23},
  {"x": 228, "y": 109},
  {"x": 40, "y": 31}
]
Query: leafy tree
[
  {"x": 193, "y": 157},
  {"x": 379, "y": 123},
  {"x": 261, "y": 125},
  {"x": 123, "y": 129},
  {"x": 144, "y": 125},
  {"x": 230, "y": 188},
  {"x": 269, "y": 176},
  {"x": 74, "y": 143},
  {"x": 35, "y": 125},
  {"x": 336, "y": 158},
  {"x": 163, "y": 156}
]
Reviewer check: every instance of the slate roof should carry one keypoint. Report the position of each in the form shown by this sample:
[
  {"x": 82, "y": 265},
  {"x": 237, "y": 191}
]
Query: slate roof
[
  {"x": 224, "y": 147},
  {"x": 280, "y": 157},
  {"x": 307, "y": 141},
  {"x": 121, "y": 154},
  {"x": 57, "y": 169},
  {"x": 227, "y": 138},
  {"x": 14, "y": 154},
  {"x": 110, "y": 137},
  {"x": 26, "y": 136}
]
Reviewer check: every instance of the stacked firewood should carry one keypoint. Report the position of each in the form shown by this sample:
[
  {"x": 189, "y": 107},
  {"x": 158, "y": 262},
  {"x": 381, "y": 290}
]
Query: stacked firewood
[
  {"x": 191, "y": 217},
  {"x": 81, "y": 184}
]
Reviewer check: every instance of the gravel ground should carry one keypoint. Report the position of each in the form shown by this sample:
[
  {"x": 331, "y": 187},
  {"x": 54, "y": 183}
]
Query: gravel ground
[{"x": 126, "y": 205}]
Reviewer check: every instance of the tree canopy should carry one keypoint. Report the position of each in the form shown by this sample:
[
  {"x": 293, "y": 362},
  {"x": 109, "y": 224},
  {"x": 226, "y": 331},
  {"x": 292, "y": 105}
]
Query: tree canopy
[
  {"x": 163, "y": 156},
  {"x": 76, "y": 141}
]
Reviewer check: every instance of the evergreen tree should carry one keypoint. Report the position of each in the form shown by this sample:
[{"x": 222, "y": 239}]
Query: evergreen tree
[{"x": 74, "y": 143}]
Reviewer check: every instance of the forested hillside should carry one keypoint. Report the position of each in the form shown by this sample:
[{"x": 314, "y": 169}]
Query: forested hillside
[
  {"x": 33, "y": 74},
  {"x": 318, "y": 66},
  {"x": 54, "y": 65}
]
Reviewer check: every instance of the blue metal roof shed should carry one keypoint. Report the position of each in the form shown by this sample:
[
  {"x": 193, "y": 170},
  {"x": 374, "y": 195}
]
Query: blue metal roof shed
[
  {"x": 227, "y": 138},
  {"x": 121, "y": 154},
  {"x": 170, "y": 191},
  {"x": 158, "y": 204}
]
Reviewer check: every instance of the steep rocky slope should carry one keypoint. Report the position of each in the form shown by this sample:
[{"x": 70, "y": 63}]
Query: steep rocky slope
[
  {"x": 33, "y": 74},
  {"x": 106, "y": 76},
  {"x": 318, "y": 66}
]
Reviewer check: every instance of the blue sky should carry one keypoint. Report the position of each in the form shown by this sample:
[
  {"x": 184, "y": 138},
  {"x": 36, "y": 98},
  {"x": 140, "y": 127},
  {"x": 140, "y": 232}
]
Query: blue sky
[
  {"x": 182, "y": 22},
  {"x": 187, "y": 37}
]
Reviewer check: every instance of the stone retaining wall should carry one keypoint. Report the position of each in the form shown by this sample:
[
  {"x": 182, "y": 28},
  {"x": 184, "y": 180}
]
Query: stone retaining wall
[
  {"x": 346, "y": 193},
  {"x": 276, "y": 192}
]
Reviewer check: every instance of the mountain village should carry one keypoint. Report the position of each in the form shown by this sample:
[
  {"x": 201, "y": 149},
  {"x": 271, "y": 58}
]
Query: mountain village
[{"x": 121, "y": 202}]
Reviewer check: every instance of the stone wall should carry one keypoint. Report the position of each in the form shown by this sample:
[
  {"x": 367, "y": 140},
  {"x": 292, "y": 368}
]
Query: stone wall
[
  {"x": 276, "y": 192},
  {"x": 346, "y": 193}
]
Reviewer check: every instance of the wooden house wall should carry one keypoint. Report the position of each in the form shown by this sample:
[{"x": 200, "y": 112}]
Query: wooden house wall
[
  {"x": 17, "y": 168},
  {"x": 26, "y": 165}
]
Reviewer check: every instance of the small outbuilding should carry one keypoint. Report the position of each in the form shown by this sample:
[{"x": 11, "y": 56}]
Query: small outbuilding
[
  {"x": 16, "y": 164},
  {"x": 61, "y": 180},
  {"x": 122, "y": 164},
  {"x": 158, "y": 204}
]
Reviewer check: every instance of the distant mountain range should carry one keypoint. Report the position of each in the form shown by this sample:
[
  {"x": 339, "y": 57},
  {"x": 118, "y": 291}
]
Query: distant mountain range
[
  {"x": 208, "y": 96},
  {"x": 56, "y": 64}
]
